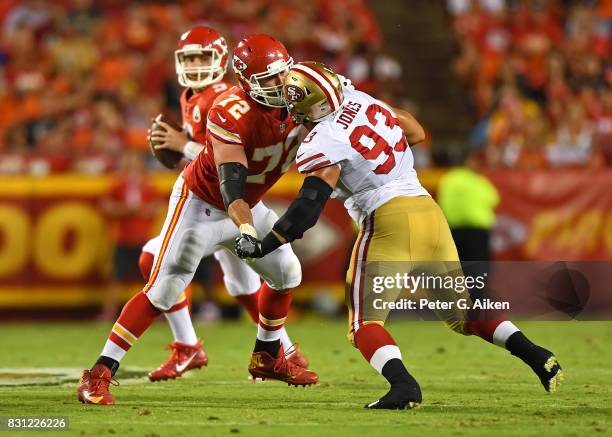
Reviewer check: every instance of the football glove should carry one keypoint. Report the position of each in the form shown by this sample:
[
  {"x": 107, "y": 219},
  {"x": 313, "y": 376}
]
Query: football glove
[{"x": 248, "y": 246}]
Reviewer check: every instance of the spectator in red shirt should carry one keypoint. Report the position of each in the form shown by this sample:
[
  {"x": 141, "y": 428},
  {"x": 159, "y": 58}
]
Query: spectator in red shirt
[{"x": 132, "y": 207}]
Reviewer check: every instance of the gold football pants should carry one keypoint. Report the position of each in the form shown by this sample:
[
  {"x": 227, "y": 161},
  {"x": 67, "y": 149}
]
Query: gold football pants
[{"x": 407, "y": 234}]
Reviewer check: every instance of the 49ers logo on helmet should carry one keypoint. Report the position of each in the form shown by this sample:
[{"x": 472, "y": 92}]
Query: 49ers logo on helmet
[
  {"x": 239, "y": 64},
  {"x": 294, "y": 93}
]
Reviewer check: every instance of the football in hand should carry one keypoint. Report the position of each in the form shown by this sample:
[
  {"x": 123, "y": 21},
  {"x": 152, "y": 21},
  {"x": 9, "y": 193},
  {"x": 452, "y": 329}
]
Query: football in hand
[{"x": 168, "y": 158}]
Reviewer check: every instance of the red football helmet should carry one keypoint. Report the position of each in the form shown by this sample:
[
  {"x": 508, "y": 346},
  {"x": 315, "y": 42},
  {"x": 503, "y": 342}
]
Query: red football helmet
[
  {"x": 257, "y": 58},
  {"x": 198, "y": 41}
]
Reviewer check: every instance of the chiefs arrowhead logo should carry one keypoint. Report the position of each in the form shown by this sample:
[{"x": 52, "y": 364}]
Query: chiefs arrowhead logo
[
  {"x": 239, "y": 64},
  {"x": 294, "y": 93}
]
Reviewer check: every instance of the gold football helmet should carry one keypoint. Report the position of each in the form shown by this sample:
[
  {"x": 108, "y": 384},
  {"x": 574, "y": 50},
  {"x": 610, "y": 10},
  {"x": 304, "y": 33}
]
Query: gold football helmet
[{"x": 312, "y": 91}]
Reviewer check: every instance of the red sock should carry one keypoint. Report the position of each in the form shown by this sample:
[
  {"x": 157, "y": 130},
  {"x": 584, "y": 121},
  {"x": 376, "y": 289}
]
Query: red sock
[
  {"x": 370, "y": 338},
  {"x": 137, "y": 315},
  {"x": 145, "y": 263},
  {"x": 483, "y": 328},
  {"x": 273, "y": 310},
  {"x": 250, "y": 302}
]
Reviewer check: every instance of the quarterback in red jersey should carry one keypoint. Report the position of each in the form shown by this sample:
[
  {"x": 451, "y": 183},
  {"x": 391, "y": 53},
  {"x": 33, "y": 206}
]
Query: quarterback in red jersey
[
  {"x": 201, "y": 60},
  {"x": 201, "y": 63},
  {"x": 223, "y": 185}
]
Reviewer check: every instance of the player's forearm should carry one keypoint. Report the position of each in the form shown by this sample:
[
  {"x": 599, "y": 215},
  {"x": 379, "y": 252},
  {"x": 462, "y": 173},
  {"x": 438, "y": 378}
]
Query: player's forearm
[
  {"x": 304, "y": 211},
  {"x": 415, "y": 133},
  {"x": 232, "y": 180},
  {"x": 302, "y": 214},
  {"x": 240, "y": 213}
]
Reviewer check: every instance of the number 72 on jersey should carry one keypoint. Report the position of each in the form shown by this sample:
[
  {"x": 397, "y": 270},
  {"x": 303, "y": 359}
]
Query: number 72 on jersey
[{"x": 274, "y": 152}]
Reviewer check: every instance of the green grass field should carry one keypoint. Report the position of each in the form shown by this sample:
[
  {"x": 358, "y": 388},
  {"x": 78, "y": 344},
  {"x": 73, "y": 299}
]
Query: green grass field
[{"x": 469, "y": 386}]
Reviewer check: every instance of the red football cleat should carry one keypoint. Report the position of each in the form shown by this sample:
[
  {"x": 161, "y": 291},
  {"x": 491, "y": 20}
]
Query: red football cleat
[
  {"x": 93, "y": 386},
  {"x": 264, "y": 366},
  {"x": 294, "y": 354},
  {"x": 184, "y": 357}
]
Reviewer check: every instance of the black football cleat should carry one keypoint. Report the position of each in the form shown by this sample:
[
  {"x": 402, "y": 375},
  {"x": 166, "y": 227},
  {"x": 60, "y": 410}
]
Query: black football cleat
[
  {"x": 545, "y": 365},
  {"x": 400, "y": 396}
]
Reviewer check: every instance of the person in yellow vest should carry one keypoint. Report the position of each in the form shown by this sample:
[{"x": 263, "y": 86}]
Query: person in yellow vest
[{"x": 468, "y": 200}]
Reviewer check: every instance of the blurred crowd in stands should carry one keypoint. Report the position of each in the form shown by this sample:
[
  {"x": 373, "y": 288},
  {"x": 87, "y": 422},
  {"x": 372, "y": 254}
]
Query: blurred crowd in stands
[
  {"x": 539, "y": 74},
  {"x": 80, "y": 80}
]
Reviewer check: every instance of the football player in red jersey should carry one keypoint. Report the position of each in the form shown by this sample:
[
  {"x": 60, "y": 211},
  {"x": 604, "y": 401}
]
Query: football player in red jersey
[
  {"x": 201, "y": 63},
  {"x": 251, "y": 140}
]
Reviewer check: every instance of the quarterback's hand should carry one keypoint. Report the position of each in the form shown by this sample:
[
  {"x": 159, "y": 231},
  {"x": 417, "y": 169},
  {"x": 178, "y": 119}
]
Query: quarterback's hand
[
  {"x": 170, "y": 139},
  {"x": 248, "y": 246}
]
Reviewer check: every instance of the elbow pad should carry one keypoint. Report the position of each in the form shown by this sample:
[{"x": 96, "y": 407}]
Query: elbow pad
[
  {"x": 232, "y": 179},
  {"x": 305, "y": 210}
]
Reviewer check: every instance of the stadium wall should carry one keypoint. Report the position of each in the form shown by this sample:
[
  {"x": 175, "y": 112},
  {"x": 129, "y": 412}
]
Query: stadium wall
[{"x": 55, "y": 243}]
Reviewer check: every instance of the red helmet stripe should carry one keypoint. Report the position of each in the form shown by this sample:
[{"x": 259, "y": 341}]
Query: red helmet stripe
[
  {"x": 315, "y": 68},
  {"x": 325, "y": 86}
]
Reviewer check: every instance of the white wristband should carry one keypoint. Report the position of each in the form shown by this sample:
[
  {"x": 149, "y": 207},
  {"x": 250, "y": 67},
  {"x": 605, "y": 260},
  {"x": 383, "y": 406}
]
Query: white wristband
[
  {"x": 248, "y": 229},
  {"x": 191, "y": 149}
]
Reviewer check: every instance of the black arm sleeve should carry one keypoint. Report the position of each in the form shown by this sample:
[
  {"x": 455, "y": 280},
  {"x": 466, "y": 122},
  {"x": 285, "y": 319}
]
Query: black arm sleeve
[
  {"x": 232, "y": 178},
  {"x": 305, "y": 210}
]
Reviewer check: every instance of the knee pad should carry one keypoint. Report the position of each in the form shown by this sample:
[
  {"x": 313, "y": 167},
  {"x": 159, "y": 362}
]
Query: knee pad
[
  {"x": 165, "y": 291},
  {"x": 291, "y": 273}
]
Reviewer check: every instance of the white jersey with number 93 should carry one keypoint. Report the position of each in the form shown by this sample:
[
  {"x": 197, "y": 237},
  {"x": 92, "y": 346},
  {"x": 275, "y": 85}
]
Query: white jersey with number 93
[{"x": 366, "y": 140}]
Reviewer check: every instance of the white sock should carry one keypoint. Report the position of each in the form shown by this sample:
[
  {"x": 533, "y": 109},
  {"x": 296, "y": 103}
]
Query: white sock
[
  {"x": 113, "y": 351},
  {"x": 285, "y": 340},
  {"x": 384, "y": 354},
  {"x": 265, "y": 335},
  {"x": 503, "y": 331},
  {"x": 182, "y": 328}
]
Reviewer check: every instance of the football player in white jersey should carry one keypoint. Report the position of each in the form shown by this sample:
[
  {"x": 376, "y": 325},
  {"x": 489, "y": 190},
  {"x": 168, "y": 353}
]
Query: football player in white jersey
[{"x": 358, "y": 149}]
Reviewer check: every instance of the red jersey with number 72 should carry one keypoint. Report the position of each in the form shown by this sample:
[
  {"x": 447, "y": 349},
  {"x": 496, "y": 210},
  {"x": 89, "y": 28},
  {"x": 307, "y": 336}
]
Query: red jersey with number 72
[
  {"x": 366, "y": 140},
  {"x": 269, "y": 137}
]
